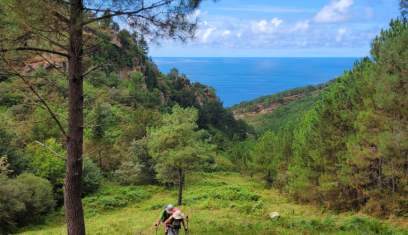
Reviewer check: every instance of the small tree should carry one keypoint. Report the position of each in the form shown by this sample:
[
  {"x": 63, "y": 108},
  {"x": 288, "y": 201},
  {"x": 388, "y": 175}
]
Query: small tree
[
  {"x": 177, "y": 144},
  {"x": 264, "y": 157}
]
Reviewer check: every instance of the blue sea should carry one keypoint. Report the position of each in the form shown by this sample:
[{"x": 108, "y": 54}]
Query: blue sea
[{"x": 242, "y": 79}]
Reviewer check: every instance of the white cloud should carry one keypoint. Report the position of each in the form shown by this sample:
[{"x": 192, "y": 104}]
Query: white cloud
[
  {"x": 300, "y": 26},
  {"x": 340, "y": 34},
  {"x": 265, "y": 9},
  {"x": 275, "y": 32},
  {"x": 335, "y": 11},
  {"x": 207, "y": 33},
  {"x": 264, "y": 26},
  {"x": 226, "y": 33},
  {"x": 369, "y": 12}
]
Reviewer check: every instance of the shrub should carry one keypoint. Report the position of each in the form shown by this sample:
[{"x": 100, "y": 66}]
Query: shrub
[
  {"x": 137, "y": 196},
  {"x": 46, "y": 165},
  {"x": 114, "y": 197},
  {"x": 155, "y": 206},
  {"x": 92, "y": 177},
  {"x": 108, "y": 202},
  {"x": 23, "y": 200}
]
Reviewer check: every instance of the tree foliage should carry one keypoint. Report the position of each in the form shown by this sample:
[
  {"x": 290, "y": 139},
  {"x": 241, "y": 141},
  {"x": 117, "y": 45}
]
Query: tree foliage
[
  {"x": 23, "y": 200},
  {"x": 176, "y": 146}
]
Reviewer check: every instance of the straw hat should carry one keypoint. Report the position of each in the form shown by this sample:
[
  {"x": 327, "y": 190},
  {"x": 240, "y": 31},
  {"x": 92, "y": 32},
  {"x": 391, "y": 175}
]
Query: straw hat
[
  {"x": 178, "y": 215},
  {"x": 169, "y": 209}
]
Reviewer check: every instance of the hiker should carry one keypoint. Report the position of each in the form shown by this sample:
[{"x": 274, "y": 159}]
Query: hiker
[
  {"x": 173, "y": 224},
  {"x": 166, "y": 213}
]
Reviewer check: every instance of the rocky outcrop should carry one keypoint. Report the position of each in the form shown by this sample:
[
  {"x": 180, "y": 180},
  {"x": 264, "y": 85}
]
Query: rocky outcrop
[
  {"x": 165, "y": 98},
  {"x": 48, "y": 62},
  {"x": 115, "y": 40},
  {"x": 139, "y": 66},
  {"x": 207, "y": 93}
]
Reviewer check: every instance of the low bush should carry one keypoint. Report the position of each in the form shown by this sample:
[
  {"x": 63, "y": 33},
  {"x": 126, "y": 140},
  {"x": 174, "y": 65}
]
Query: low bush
[
  {"x": 155, "y": 206},
  {"x": 115, "y": 197},
  {"x": 351, "y": 225},
  {"x": 92, "y": 177},
  {"x": 23, "y": 200},
  {"x": 219, "y": 195}
]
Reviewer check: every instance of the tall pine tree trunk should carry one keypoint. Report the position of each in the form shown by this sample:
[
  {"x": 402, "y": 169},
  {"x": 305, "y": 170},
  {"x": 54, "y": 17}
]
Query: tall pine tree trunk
[
  {"x": 181, "y": 182},
  {"x": 72, "y": 186}
]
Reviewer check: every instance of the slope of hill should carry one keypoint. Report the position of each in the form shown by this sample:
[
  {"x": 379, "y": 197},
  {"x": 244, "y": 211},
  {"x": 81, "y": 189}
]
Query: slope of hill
[
  {"x": 218, "y": 204},
  {"x": 349, "y": 151},
  {"x": 275, "y": 111}
]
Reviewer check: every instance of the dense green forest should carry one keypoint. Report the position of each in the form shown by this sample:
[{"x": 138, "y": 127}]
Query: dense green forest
[{"x": 349, "y": 152}]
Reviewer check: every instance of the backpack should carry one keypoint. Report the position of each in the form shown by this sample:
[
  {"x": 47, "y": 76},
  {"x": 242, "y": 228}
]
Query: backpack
[{"x": 175, "y": 223}]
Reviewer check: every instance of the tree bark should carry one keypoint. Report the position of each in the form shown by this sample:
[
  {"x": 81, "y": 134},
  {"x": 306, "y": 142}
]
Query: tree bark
[
  {"x": 393, "y": 184},
  {"x": 181, "y": 182},
  {"x": 72, "y": 186},
  {"x": 100, "y": 158},
  {"x": 268, "y": 179},
  {"x": 379, "y": 174}
]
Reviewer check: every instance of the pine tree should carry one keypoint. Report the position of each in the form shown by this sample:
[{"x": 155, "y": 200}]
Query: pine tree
[{"x": 176, "y": 145}]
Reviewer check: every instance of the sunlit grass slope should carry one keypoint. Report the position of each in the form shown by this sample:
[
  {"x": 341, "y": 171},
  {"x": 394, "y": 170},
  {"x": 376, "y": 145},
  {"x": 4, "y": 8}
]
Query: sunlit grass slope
[{"x": 216, "y": 204}]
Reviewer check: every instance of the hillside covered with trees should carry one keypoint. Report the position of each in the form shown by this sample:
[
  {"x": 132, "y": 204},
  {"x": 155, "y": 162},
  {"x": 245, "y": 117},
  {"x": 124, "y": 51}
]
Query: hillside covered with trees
[{"x": 349, "y": 152}]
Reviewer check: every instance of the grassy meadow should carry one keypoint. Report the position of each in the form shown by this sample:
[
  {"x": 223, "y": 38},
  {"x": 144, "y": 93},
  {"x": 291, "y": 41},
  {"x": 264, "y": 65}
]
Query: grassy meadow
[{"x": 217, "y": 203}]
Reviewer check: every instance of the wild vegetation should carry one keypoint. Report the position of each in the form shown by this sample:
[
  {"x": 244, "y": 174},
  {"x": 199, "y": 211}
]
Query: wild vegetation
[
  {"x": 267, "y": 100},
  {"x": 216, "y": 203}
]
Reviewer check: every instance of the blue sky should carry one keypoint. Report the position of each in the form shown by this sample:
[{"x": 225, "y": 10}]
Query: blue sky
[{"x": 292, "y": 28}]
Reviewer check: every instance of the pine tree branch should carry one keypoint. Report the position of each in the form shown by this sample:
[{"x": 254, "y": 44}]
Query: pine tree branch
[
  {"x": 55, "y": 153},
  {"x": 39, "y": 105},
  {"x": 44, "y": 120},
  {"x": 53, "y": 65},
  {"x": 129, "y": 13},
  {"x": 35, "y": 49},
  {"x": 88, "y": 154},
  {"x": 60, "y": 17},
  {"x": 47, "y": 108},
  {"x": 40, "y": 75}
]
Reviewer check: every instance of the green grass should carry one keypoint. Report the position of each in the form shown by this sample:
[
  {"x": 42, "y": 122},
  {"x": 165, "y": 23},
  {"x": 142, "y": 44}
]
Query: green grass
[{"x": 223, "y": 203}]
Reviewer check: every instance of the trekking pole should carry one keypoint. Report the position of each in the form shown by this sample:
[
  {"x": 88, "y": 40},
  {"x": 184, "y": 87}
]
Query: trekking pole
[
  {"x": 187, "y": 223},
  {"x": 156, "y": 228}
]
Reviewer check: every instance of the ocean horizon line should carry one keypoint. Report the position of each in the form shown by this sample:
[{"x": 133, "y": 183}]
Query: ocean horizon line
[{"x": 259, "y": 57}]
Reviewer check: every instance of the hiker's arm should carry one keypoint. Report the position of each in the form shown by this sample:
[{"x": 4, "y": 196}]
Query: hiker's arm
[
  {"x": 185, "y": 219},
  {"x": 160, "y": 217},
  {"x": 165, "y": 224},
  {"x": 184, "y": 225},
  {"x": 158, "y": 222}
]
